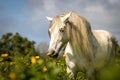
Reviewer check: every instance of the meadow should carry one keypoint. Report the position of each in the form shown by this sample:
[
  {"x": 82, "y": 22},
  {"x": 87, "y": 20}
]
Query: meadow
[{"x": 20, "y": 61}]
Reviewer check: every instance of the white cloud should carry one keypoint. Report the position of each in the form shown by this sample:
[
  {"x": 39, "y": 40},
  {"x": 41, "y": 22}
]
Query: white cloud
[
  {"x": 114, "y": 1},
  {"x": 49, "y": 6},
  {"x": 104, "y": 13},
  {"x": 95, "y": 9}
]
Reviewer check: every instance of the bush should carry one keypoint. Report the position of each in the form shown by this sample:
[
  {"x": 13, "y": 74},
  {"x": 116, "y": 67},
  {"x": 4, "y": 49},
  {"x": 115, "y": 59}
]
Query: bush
[{"x": 19, "y": 61}]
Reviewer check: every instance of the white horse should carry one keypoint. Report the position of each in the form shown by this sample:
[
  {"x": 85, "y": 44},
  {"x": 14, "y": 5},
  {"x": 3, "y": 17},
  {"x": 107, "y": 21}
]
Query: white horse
[{"x": 86, "y": 50}]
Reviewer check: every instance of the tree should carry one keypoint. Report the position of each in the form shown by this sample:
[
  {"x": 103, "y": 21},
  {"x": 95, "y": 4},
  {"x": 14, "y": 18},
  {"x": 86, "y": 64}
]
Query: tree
[{"x": 16, "y": 44}]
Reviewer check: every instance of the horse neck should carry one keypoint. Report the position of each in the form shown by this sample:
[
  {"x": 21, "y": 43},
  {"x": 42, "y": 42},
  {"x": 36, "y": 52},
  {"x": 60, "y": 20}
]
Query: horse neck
[{"x": 81, "y": 41}]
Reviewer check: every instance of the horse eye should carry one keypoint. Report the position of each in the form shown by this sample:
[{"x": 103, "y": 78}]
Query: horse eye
[{"x": 62, "y": 30}]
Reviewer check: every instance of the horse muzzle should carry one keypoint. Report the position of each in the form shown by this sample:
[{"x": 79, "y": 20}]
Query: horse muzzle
[{"x": 52, "y": 54}]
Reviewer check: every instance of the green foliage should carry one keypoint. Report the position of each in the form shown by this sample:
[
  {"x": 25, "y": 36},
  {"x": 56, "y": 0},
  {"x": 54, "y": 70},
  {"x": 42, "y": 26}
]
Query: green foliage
[
  {"x": 32, "y": 68},
  {"x": 15, "y": 44},
  {"x": 19, "y": 61}
]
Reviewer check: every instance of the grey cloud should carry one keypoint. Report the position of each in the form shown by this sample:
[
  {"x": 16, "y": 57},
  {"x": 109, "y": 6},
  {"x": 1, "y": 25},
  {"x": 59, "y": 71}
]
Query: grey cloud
[{"x": 35, "y": 3}]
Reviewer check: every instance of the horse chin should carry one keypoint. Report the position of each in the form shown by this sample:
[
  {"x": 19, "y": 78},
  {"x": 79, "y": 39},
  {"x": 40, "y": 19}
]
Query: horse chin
[{"x": 54, "y": 55}]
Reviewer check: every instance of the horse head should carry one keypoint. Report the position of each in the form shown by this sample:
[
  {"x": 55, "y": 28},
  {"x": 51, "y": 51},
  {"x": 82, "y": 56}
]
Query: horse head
[{"x": 58, "y": 34}]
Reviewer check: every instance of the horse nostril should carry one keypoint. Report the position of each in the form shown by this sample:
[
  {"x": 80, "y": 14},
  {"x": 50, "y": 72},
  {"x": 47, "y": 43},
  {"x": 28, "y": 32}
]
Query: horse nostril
[{"x": 52, "y": 52}]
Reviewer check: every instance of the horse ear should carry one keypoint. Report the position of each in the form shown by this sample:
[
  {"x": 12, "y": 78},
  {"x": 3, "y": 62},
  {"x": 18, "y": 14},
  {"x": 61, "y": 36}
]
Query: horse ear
[
  {"x": 66, "y": 17},
  {"x": 49, "y": 18}
]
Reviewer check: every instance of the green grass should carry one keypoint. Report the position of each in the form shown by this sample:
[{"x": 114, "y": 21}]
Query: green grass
[{"x": 31, "y": 67}]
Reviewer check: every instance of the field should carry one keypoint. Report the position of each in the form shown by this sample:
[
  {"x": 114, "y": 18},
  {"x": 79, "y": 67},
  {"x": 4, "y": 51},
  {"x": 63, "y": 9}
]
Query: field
[
  {"x": 20, "y": 61},
  {"x": 31, "y": 67}
]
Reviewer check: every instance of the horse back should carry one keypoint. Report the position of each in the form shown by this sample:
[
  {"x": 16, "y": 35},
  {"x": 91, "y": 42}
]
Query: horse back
[
  {"x": 105, "y": 47},
  {"x": 102, "y": 36}
]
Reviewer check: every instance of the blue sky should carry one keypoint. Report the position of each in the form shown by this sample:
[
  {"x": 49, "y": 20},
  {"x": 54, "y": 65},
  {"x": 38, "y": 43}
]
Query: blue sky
[{"x": 28, "y": 16}]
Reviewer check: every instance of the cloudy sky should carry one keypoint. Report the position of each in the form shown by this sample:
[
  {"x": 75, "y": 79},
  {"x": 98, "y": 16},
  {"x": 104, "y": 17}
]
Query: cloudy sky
[{"x": 28, "y": 16}]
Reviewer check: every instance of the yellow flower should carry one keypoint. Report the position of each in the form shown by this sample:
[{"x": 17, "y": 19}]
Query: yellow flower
[
  {"x": 3, "y": 63},
  {"x": 4, "y": 55},
  {"x": 12, "y": 63},
  {"x": 48, "y": 54},
  {"x": 40, "y": 62},
  {"x": 12, "y": 76},
  {"x": 33, "y": 59},
  {"x": 64, "y": 55},
  {"x": 1, "y": 59},
  {"x": 37, "y": 57},
  {"x": 44, "y": 69}
]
